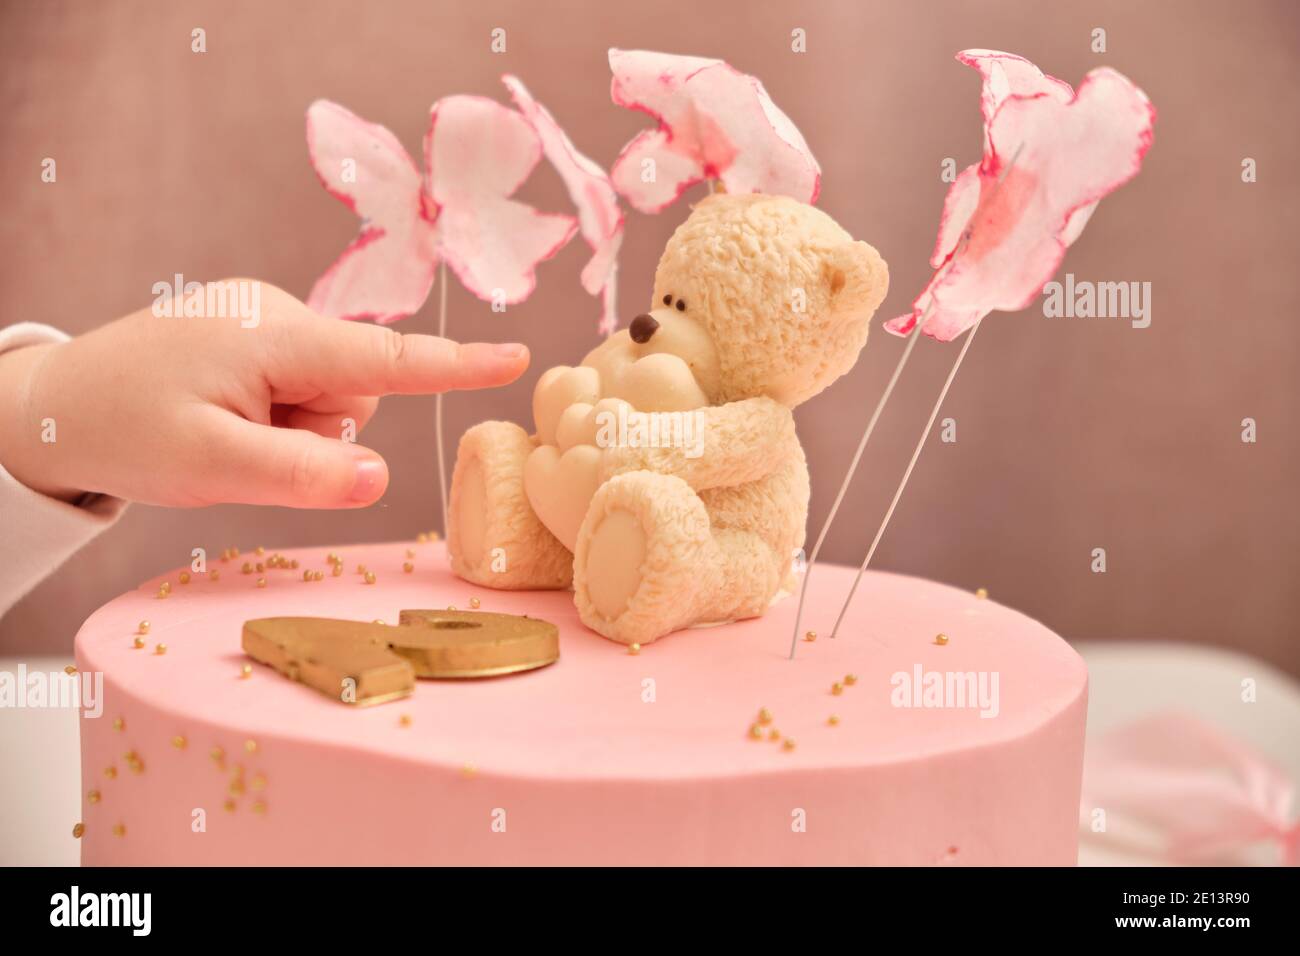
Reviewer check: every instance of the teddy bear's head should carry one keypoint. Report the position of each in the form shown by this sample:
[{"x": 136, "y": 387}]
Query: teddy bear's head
[{"x": 758, "y": 296}]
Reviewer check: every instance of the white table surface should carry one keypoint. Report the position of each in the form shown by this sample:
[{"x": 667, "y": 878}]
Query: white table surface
[{"x": 40, "y": 775}]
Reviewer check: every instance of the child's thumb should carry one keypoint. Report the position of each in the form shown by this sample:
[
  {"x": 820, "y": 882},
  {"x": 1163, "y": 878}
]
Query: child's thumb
[{"x": 297, "y": 469}]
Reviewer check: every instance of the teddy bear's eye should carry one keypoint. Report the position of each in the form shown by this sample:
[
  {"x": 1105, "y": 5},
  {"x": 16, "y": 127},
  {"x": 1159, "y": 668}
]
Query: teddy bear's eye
[
  {"x": 681, "y": 305},
  {"x": 668, "y": 299}
]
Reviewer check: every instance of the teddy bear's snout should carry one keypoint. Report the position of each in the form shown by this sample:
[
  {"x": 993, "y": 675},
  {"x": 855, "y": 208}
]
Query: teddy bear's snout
[{"x": 642, "y": 327}]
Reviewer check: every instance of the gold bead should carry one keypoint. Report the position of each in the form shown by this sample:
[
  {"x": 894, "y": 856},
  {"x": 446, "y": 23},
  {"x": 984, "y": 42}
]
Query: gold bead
[
  {"x": 434, "y": 536},
  {"x": 77, "y": 830},
  {"x": 833, "y": 719},
  {"x": 217, "y": 754},
  {"x": 214, "y": 575},
  {"x": 160, "y": 649},
  {"x": 69, "y": 670},
  {"x": 245, "y": 671},
  {"x": 229, "y": 805},
  {"x": 764, "y": 715},
  {"x": 338, "y": 570},
  {"x": 410, "y": 552},
  {"x": 250, "y": 746},
  {"x": 475, "y": 603},
  {"x": 259, "y": 550},
  {"x": 162, "y": 593},
  {"x": 468, "y": 770},
  {"x": 237, "y": 786},
  {"x": 258, "y": 806},
  {"x": 142, "y": 628},
  {"x": 850, "y": 679},
  {"x": 361, "y": 569},
  {"x": 119, "y": 829},
  {"x": 138, "y": 643},
  {"x": 258, "y": 782},
  {"x": 756, "y": 731},
  {"x": 119, "y": 723},
  {"x": 380, "y": 620},
  {"x": 165, "y": 586},
  {"x": 837, "y": 688},
  {"x": 810, "y": 636},
  {"x": 185, "y": 577},
  {"x": 246, "y": 569},
  {"x": 234, "y": 552},
  {"x": 134, "y": 762},
  {"x": 773, "y": 734},
  {"x": 110, "y": 773},
  {"x": 260, "y": 567},
  {"x": 421, "y": 537},
  {"x": 370, "y": 577},
  {"x": 634, "y": 649},
  {"x": 178, "y": 742},
  {"x": 941, "y": 639},
  {"x": 981, "y": 593},
  {"x": 318, "y": 575},
  {"x": 293, "y": 565},
  {"x": 261, "y": 582},
  {"x": 451, "y": 607},
  {"x": 405, "y": 720},
  {"x": 788, "y": 743},
  {"x": 408, "y": 567},
  {"x": 93, "y": 796}
]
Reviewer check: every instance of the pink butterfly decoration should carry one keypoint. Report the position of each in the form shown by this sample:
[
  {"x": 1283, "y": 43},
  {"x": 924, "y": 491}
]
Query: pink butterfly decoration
[
  {"x": 458, "y": 211},
  {"x": 714, "y": 122},
  {"x": 1200, "y": 792},
  {"x": 1049, "y": 155},
  {"x": 599, "y": 217}
]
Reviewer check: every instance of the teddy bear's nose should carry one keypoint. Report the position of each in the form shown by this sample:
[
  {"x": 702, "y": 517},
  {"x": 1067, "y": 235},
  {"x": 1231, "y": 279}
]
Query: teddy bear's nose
[{"x": 642, "y": 327}]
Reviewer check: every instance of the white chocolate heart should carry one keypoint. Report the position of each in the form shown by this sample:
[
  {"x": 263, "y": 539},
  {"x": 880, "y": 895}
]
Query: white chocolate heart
[
  {"x": 560, "y": 487},
  {"x": 556, "y": 390}
]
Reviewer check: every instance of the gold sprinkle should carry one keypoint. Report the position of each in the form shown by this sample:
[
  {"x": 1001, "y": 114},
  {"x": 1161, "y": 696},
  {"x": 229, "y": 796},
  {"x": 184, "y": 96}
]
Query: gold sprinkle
[
  {"x": 308, "y": 576},
  {"x": 850, "y": 679},
  {"x": 245, "y": 671},
  {"x": 258, "y": 782},
  {"x": 165, "y": 586},
  {"x": 833, "y": 719},
  {"x": 788, "y": 743},
  {"x": 293, "y": 565},
  {"x": 370, "y": 577},
  {"x": 981, "y": 593},
  {"x": 229, "y": 805},
  {"x": 134, "y": 762},
  {"x": 468, "y": 770},
  {"x": 475, "y": 603},
  {"x": 451, "y": 607},
  {"x": 119, "y": 723},
  {"x": 162, "y": 594},
  {"x": 810, "y": 636},
  {"x": 764, "y": 715},
  {"x": 214, "y": 575},
  {"x": 119, "y": 829},
  {"x": 261, "y": 582},
  {"x": 138, "y": 643},
  {"x": 405, "y": 720},
  {"x": 93, "y": 796},
  {"x": 318, "y": 575},
  {"x": 410, "y": 552},
  {"x": 69, "y": 670},
  {"x": 160, "y": 649},
  {"x": 77, "y": 830},
  {"x": 259, "y": 550},
  {"x": 237, "y": 786},
  {"x": 361, "y": 569},
  {"x": 338, "y": 569},
  {"x": 379, "y": 620},
  {"x": 234, "y": 552},
  {"x": 941, "y": 639},
  {"x": 634, "y": 649},
  {"x": 434, "y": 536},
  {"x": 773, "y": 734},
  {"x": 110, "y": 773},
  {"x": 408, "y": 567},
  {"x": 217, "y": 754},
  {"x": 258, "y": 807},
  {"x": 246, "y": 569},
  {"x": 756, "y": 731},
  {"x": 142, "y": 628},
  {"x": 260, "y": 567},
  {"x": 185, "y": 577},
  {"x": 178, "y": 742},
  {"x": 421, "y": 537},
  {"x": 250, "y": 746},
  {"x": 837, "y": 688}
]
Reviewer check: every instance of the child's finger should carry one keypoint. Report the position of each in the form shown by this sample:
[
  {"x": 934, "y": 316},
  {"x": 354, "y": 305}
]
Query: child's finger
[
  {"x": 351, "y": 359},
  {"x": 264, "y": 465}
]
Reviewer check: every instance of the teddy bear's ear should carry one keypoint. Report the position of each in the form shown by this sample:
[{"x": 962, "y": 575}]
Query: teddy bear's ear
[{"x": 856, "y": 278}]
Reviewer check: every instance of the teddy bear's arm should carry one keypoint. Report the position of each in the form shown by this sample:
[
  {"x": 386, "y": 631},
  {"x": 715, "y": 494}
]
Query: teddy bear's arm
[{"x": 712, "y": 447}]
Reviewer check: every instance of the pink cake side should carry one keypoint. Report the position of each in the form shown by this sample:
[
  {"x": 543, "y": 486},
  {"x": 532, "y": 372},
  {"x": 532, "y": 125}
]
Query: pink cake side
[{"x": 602, "y": 758}]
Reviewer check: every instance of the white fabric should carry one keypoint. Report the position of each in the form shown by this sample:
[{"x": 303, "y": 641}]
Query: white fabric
[{"x": 39, "y": 533}]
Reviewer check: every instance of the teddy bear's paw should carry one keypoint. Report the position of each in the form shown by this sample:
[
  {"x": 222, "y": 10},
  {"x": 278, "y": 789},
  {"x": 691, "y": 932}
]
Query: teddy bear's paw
[
  {"x": 645, "y": 562},
  {"x": 493, "y": 537}
]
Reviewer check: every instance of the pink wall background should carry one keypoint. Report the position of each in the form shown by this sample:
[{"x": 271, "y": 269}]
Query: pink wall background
[{"x": 1072, "y": 434}]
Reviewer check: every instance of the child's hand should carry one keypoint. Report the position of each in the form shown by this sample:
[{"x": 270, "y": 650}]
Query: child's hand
[{"x": 183, "y": 411}]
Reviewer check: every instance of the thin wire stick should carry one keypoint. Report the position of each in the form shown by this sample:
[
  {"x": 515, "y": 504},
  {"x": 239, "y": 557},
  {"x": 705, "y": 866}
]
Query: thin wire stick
[
  {"x": 437, "y": 401},
  {"x": 848, "y": 477},
  {"x": 916, "y": 453}
]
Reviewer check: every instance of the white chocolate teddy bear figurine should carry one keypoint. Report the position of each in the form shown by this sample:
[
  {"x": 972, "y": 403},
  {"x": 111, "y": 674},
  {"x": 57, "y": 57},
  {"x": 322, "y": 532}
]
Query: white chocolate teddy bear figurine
[{"x": 665, "y": 481}]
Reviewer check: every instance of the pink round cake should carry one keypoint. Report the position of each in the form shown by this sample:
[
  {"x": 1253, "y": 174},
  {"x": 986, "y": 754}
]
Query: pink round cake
[{"x": 891, "y": 744}]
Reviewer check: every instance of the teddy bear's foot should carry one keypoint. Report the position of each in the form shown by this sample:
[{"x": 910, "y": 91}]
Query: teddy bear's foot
[
  {"x": 646, "y": 562},
  {"x": 493, "y": 536}
]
